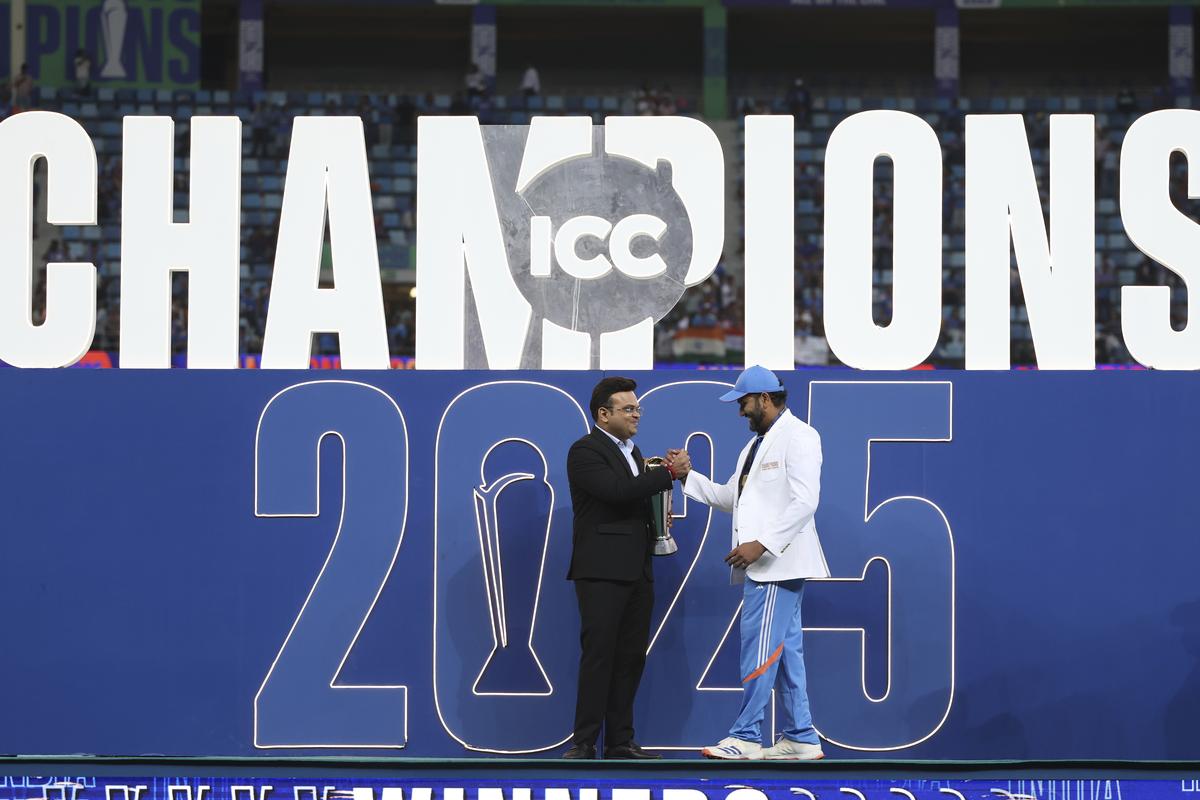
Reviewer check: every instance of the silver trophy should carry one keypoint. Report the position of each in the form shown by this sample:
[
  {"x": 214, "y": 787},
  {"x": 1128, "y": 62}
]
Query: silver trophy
[
  {"x": 113, "y": 18},
  {"x": 664, "y": 544}
]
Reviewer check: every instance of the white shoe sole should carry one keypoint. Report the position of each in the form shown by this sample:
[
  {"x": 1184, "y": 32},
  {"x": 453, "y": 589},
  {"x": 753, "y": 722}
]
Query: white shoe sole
[
  {"x": 707, "y": 753},
  {"x": 793, "y": 757}
]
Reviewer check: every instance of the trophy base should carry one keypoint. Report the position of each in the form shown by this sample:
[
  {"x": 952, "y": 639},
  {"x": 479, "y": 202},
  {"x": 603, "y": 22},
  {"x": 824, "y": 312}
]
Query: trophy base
[{"x": 665, "y": 547}]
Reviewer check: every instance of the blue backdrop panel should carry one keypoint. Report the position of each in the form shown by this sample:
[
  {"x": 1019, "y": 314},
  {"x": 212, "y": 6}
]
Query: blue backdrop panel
[{"x": 201, "y": 563}]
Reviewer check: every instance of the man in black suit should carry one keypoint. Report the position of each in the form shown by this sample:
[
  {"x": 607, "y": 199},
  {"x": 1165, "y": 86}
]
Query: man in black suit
[{"x": 610, "y": 564}]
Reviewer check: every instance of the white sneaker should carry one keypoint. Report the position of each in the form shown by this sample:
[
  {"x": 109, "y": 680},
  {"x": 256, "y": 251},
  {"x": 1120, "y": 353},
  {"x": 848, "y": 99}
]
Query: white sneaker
[
  {"x": 787, "y": 750},
  {"x": 734, "y": 749}
]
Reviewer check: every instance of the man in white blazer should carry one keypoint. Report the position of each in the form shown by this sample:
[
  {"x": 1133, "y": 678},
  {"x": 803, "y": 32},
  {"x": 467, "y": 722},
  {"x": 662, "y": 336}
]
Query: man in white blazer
[{"x": 772, "y": 495}]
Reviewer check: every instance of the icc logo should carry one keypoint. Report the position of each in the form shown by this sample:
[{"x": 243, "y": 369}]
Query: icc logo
[{"x": 558, "y": 245}]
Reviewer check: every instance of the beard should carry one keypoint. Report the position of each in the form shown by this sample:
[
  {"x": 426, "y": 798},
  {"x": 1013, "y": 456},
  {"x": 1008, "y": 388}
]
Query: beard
[{"x": 756, "y": 421}]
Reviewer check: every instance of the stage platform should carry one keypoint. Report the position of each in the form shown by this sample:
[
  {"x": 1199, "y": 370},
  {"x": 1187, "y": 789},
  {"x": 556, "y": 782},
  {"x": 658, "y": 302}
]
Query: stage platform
[{"x": 512, "y": 771}]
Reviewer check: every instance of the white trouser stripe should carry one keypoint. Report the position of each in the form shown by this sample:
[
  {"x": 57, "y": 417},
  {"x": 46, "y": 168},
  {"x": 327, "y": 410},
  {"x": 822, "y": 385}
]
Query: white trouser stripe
[
  {"x": 764, "y": 628},
  {"x": 762, "y": 624},
  {"x": 770, "y": 613}
]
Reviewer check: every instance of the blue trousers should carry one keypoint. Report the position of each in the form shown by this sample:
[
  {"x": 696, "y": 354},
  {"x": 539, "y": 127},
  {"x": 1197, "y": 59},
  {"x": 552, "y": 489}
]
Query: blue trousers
[{"x": 773, "y": 658}]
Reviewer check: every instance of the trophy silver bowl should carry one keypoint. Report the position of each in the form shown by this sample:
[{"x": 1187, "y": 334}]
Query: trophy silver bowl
[{"x": 664, "y": 544}]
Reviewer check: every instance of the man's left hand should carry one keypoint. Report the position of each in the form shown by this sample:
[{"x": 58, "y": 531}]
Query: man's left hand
[{"x": 744, "y": 555}]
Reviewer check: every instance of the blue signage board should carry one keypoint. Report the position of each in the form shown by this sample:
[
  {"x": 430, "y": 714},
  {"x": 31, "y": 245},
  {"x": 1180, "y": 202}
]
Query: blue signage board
[{"x": 266, "y": 563}]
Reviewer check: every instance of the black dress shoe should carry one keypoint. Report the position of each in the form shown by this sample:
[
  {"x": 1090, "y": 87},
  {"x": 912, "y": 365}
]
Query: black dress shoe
[
  {"x": 578, "y": 751},
  {"x": 630, "y": 750}
]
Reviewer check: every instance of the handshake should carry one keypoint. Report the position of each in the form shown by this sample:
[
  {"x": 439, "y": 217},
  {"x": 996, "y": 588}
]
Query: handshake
[{"x": 680, "y": 463}]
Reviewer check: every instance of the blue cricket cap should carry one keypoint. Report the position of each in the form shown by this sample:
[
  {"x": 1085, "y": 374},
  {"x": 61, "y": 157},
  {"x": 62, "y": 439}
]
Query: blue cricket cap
[{"x": 752, "y": 381}]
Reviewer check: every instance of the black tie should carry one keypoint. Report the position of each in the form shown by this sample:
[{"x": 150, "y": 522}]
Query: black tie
[{"x": 746, "y": 465}]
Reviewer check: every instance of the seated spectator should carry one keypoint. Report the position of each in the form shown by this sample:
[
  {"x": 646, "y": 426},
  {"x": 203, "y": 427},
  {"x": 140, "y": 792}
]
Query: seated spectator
[
  {"x": 22, "y": 90},
  {"x": 799, "y": 101},
  {"x": 475, "y": 83},
  {"x": 260, "y": 130},
  {"x": 83, "y": 73},
  {"x": 531, "y": 82},
  {"x": 706, "y": 317},
  {"x": 1126, "y": 101},
  {"x": 405, "y": 119}
]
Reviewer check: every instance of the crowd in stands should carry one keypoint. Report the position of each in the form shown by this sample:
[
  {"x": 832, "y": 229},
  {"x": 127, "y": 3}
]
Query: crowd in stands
[{"x": 706, "y": 326}]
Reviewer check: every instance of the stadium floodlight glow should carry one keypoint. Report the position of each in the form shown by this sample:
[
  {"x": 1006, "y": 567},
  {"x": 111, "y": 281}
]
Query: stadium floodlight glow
[{"x": 555, "y": 285}]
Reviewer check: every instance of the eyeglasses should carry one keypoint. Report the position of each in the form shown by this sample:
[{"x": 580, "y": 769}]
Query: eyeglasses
[{"x": 630, "y": 410}]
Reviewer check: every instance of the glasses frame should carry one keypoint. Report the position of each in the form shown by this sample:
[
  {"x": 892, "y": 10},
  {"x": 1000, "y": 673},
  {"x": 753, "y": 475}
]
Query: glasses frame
[{"x": 627, "y": 410}]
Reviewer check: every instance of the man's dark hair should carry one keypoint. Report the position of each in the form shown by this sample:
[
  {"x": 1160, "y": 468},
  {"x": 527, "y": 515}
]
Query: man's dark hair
[
  {"x": 605, "y": 389},
  {"x": 778, "y": 399}
]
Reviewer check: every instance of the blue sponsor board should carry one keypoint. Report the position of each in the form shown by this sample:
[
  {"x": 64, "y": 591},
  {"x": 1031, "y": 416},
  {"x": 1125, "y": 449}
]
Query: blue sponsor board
[
  {"x": 441, "y": 786},
  {"x": 299, "y": 563}
]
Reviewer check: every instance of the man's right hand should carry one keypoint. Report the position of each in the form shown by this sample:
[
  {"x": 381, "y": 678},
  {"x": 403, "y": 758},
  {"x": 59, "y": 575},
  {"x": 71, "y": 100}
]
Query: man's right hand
[{"x": 680, "y": 462}]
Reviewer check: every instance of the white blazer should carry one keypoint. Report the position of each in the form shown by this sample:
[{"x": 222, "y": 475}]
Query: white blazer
[{"x": 777, "y": 506}]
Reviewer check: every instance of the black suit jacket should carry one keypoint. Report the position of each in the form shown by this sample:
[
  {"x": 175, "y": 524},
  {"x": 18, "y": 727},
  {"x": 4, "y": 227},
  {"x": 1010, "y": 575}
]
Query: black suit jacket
[{"x": 614, "y": 533}]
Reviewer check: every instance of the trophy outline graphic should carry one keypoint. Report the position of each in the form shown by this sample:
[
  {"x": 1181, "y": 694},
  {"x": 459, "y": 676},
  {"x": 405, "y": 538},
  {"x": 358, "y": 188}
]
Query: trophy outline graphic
[
  {"x": 485, "y": 498},
  {"x": 114, "y": 16}
]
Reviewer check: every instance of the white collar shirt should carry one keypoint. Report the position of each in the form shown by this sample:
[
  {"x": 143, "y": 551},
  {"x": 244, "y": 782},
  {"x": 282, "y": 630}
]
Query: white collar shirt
[{"x": 626, "y": 448}]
